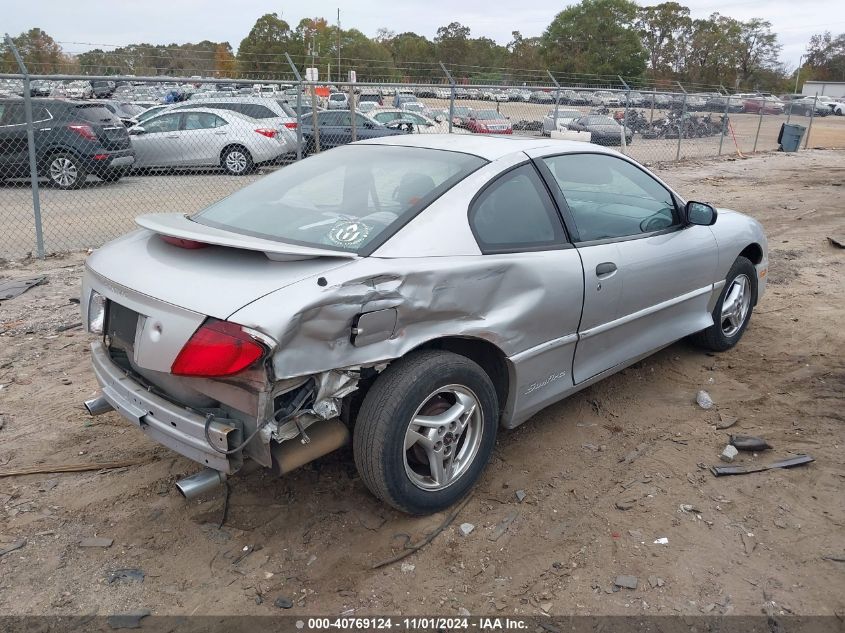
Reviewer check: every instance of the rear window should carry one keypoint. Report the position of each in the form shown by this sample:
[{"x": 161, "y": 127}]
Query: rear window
[
  {"x": 342, "y": 199},
  {"x": 94, "y": 113}
]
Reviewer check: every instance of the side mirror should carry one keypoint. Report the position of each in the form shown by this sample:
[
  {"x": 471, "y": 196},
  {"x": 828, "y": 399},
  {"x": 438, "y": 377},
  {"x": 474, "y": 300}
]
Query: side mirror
[
  {"x": 134, "y": 131},
  {"x": 440, "y": 118},
  {"x": 700, "y": 213}
]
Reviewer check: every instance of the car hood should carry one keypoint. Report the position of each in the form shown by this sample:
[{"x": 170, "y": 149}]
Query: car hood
[
  {"x": 216, "y": 281},
  {"x": 604, "y": 129}
]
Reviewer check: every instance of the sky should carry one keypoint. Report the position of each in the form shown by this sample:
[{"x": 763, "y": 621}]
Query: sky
[{"x": 82, "y": 23}]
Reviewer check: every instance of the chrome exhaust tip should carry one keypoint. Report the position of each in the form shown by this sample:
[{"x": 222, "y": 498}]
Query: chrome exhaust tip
[
  {"x": 201, "y": 482},
  {"x": 98, "y": 405}
]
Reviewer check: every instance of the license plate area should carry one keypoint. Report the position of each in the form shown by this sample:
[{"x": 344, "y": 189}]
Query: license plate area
[{"x": 121, "y": 328}]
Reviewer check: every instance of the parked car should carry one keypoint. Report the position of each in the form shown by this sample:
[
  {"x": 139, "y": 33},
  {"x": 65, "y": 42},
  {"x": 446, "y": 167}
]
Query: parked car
[
  {"x": 570, "y": 97},
  {"x": 657, "y": 99},
  {"x": 488, "y": 122},
  {"x": 606, "y": 98},
  {"x": 559, "y": 120},
  {"x": 73, "y": 90},
  {"x": 836, "y": 105},
  {"x": 366, "y": 106},
  {"x": 633, "y": 99},
  {"x": 335, "y": 127},
  {"x": 72, "y": 140},
  {"x": 541, "y": 96},
  {"x": 337, "y": 101},
  {"x": 808, "y": 106},
  {"x": 411, "y": 294},
  {"x": 40, "y": 88},
  {"x": 401, "y": 97},
  {"x": 494, "y": 94},
  {"x": 370, "y": 97},
  {"x": 102, "y": 89},
  {"x": 414, "y": 106},
  {"x": 272, "y": 112},
  {"x": 460, "y": 115},
  {"x": 148, "y": 113},
  {"x": 603, "y": 130},
  {"x": 208, "y": 137},
  {"x": 761, "y": 104},
  {"x": 420, "y": 124},
  {"x": 695, "y": 103},
  {"x": 123, "y": 110},
  {"x": 718, "y": 104}
]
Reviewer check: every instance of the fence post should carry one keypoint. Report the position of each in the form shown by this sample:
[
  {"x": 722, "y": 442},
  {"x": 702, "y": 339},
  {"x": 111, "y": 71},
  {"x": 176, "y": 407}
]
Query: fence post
[
  {"x": 724, "y": 123},
  {"x": 759, "y": 124},
  {"x": 298, "y": 107},
  {"x": 451, "y": 95},
  {"x": 30, "y": 141},
  {"x": 352, "y": 123},
  {"x": 810, "y": 125},
  {"x": 681, "y": 125},
  {"x": 625, "y": 118},
  {"x": 557, "y": 96}
]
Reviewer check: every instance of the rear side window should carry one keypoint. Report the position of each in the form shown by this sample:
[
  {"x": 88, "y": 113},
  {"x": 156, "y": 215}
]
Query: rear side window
[
  {"x": 94, "y": 114},
  {"x": 202, "y": 121},
  {"x": 14, "y": 114},
  {"x": 515, "y": 213},
  {"x": 255, "y": 111}
]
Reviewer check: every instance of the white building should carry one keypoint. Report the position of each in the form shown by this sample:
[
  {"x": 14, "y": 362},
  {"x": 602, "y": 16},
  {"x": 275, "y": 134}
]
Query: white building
[{"x": 829, "y": 88}]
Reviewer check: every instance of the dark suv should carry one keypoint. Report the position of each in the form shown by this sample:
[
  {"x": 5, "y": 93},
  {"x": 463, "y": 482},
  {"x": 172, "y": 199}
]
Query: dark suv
[{"x": 72, "y": 140}]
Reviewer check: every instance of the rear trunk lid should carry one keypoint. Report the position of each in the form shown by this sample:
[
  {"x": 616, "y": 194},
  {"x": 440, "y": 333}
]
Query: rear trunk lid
[{"x": 214, "y": 281}]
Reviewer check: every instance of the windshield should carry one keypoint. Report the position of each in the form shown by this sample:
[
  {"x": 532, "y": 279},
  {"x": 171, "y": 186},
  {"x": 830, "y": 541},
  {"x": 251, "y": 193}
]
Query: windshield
[
  {"x": 599, "y": 120},
  {"x": 343, "y": 198},
  {"x": 565, "y": 114}
]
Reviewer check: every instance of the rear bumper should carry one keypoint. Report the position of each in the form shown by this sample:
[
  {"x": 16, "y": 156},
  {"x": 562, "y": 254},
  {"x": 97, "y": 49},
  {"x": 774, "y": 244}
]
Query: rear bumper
[{"x": 168, "y": 424}]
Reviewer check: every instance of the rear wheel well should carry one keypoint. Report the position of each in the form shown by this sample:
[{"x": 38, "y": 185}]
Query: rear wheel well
[
  {"x": 753, "y": 253},
  {"x": 233, "y": 146},
  {"x": 486, "y": 355}
]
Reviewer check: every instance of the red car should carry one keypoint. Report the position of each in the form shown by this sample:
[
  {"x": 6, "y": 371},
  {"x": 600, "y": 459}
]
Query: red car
[
  {"x": 766, "y": 104},
  {"x": 488, "y": 122}
]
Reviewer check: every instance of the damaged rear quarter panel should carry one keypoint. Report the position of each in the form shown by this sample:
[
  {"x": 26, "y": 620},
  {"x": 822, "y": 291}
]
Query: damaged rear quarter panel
[{"x": 514, "y": 301}]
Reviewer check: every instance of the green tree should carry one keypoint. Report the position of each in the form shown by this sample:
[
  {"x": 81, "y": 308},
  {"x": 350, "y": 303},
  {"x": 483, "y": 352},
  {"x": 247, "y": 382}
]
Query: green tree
[
  {"x": 261, "y": 53},
  {"x": 39, "y": 51},
  {"x": 825, "y": 57},
  {"x": 596, "y": 36},
  {"x": 452, "y": 43},
  {"x": 757, "y": 50},
  {"x": 662, "y": 28}
]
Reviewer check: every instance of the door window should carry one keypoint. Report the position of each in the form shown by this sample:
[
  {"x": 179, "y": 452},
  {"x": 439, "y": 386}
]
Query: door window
[
  {"x": 515, "y": 213},
  {"x": 610, "y": 197},
  {"x": 14, "y": 114},
  {"x": 163, "y": 123},
  {"x": 202, "y": 121}
]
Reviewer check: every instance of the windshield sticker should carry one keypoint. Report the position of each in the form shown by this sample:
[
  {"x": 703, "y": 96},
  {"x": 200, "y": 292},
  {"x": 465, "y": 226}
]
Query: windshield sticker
[{"x": 348, "y": 234}]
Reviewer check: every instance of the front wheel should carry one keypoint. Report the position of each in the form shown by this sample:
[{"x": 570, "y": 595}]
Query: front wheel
[
  {"x": 733, "y": 309},
  {"x": 426, "y": 430}
]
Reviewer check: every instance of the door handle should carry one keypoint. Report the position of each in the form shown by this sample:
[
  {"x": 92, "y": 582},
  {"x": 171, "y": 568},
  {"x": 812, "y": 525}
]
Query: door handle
[
  {"x": 221, "y": 132},
  {"x": 605, "y": 268},
  {"x": 172, "y": 136}
]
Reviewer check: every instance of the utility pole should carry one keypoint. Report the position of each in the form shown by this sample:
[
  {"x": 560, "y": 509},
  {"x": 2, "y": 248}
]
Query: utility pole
[
  {"x": 797, "y": 74},
  {"x": 339, "y": 76}
]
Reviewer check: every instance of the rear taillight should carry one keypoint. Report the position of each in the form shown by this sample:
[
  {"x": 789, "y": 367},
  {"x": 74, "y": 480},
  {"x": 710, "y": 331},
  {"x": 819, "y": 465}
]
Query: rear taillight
[
  {"x": 182, "y": 243},
  {"x": 217, "y": 348},
  {"x": 291, "y": 125},
  {"x": 85, "y": 131},
  {"x": 264, "y": 131}
]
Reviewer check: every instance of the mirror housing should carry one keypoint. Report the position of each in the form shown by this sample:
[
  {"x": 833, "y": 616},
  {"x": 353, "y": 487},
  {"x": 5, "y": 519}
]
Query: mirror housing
[
  {"x": 136, "y": 129},
  {"x": 700, "y": 213},
  {"x": 440, "y": 118}
]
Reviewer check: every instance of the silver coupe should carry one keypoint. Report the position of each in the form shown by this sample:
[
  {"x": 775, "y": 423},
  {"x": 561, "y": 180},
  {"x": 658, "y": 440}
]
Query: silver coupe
[{"x": 410, "y": 294}]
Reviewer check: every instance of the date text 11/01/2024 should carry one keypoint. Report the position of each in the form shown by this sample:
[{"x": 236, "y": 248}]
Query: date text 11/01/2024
[{"x": 414, "y": 623}]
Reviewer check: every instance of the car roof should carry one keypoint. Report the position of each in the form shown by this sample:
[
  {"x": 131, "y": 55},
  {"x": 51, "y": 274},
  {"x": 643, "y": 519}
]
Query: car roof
[{"x": 489, "y": 147}]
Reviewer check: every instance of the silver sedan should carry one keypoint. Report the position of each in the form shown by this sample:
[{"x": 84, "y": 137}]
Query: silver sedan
[
  {"x": 208, "y": 137},
  {"x": 410, "y": 294}
]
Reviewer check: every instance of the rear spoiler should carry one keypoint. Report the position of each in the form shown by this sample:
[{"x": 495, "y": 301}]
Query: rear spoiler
[{"x": 180, "y": 226}]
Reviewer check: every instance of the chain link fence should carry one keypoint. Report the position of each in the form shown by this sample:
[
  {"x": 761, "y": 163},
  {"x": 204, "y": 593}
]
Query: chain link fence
[{"x": 81, "y": 156}]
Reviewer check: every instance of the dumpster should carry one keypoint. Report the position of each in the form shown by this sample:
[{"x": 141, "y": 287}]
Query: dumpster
[{"x": 790, "y": 136}]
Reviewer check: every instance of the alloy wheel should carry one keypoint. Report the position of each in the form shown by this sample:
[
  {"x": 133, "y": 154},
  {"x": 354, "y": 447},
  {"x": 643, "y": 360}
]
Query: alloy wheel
[
  {"x": 236, "y": 161},
  {"x": 63, "y": 172},
  {"x": 735, "y": 305},
  {"x": 443, "y": 437}
]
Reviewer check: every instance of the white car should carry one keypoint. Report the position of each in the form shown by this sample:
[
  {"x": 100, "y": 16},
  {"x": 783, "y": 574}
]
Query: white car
[
  {"x": 837, "y": 106},
  {"x": 208, "y": 137},
  {"x": 421, "y": 124},
  {"x": 414, "y": 106},
  {"x": 559, "y": 121}
]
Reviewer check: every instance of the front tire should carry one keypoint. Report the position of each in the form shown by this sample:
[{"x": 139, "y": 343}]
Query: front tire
[
  {"x": 425, "y": 431},
  {"x": 237, "y": 161},
  {"x": 733, "y": 309}
]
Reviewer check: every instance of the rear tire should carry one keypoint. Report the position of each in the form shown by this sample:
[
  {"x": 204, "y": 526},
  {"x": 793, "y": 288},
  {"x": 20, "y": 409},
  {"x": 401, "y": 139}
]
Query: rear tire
[
  {"x": 421, "y": 469},
  {"x": 733, "y": 309},
  {"x": 65, "y": 171},
  {"x": 237, "y": 161}
]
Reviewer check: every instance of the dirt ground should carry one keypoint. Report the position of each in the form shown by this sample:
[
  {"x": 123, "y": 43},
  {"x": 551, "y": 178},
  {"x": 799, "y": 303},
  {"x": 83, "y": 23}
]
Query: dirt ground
[{"x": 752, "y": 543}]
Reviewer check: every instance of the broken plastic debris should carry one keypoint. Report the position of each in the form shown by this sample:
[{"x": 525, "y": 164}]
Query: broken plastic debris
[
  {"x": 749, "y": 443},
  {"x": 798, "y": 460},
  {"x": 661, "y": 541},
  {"x": 704, "y": 400}
]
